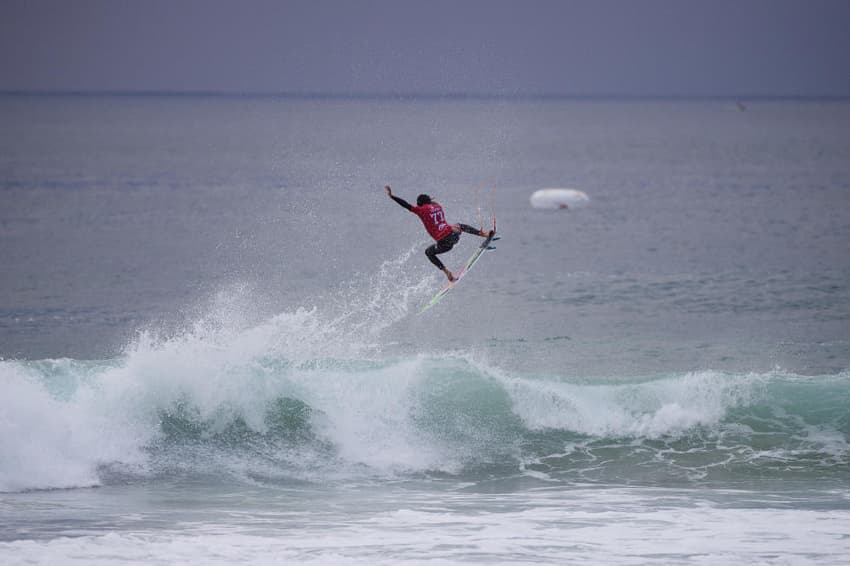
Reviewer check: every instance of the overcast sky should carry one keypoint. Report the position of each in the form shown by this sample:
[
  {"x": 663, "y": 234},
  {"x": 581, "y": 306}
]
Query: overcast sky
[{"x": 502, "y": 47}]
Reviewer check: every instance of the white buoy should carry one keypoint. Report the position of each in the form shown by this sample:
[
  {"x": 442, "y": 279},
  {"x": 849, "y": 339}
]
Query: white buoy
[{"x": 559, "y": 198}]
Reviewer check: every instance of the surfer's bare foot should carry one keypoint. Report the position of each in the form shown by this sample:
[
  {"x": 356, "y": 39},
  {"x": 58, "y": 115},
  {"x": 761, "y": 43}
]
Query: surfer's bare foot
[{"x": 449, "y": 275}]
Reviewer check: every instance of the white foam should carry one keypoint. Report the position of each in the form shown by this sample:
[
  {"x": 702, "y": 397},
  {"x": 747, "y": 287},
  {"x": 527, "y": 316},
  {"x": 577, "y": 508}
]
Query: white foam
[
  {"x": 47, "y": 442},
  {"x": 369, "y": 416},
  {"x": 57, "y": 428},
  {"x": 222, "y": 367},
  {"x": 650, "y": 409},
  {"x": 589, "y": 526}
]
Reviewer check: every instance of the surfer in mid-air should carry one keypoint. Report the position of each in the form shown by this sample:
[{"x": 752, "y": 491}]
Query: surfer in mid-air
[{"x": 446, "y": 235}]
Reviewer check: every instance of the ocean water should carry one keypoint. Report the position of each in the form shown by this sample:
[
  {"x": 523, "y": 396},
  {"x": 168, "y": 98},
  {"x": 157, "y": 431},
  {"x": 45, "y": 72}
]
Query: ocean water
[{"x": 211, "y": 349}]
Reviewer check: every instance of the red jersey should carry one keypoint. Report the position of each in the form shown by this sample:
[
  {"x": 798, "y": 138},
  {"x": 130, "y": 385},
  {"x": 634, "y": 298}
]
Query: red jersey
[{"x": 434, "y": 220}]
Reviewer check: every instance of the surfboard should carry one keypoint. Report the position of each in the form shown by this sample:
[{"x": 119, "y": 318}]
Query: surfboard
[{"x": 473, "y": 259}]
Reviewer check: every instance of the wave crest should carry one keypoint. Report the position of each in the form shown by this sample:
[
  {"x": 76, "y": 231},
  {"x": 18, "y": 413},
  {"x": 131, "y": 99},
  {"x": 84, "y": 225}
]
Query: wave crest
[{"x": 192, "y": 407}]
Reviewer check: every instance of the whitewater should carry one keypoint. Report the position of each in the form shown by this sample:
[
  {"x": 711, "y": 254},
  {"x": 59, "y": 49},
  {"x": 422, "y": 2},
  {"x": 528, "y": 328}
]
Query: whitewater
[{"x": 206, "y": 356}]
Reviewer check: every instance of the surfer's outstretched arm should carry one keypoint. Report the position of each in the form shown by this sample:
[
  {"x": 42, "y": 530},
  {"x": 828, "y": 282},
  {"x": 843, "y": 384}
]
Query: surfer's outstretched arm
[{"x": 403, "y": 203}]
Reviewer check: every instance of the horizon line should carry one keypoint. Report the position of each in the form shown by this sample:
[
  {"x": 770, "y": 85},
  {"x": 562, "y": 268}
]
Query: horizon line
[{"x": 414, "y": 95}]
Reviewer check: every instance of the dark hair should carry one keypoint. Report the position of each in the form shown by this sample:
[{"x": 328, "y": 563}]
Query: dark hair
[{"x": 423, "y": 199}]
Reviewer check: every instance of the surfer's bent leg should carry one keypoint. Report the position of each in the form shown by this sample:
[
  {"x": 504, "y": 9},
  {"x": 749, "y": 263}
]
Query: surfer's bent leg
[
  {"x": 441, "y": 247},
  {"x": 432, "y": 252}
]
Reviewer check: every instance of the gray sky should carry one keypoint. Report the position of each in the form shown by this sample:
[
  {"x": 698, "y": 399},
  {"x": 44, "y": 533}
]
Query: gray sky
[{"x": 522, "y": 47}]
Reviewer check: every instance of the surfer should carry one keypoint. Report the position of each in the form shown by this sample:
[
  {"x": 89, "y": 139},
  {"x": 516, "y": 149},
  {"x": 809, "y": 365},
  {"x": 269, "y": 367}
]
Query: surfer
[{"x": 446, "y": 235}]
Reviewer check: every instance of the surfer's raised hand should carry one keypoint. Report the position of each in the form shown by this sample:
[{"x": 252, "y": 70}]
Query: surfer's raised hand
[{"x": 389, "y": 191}]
